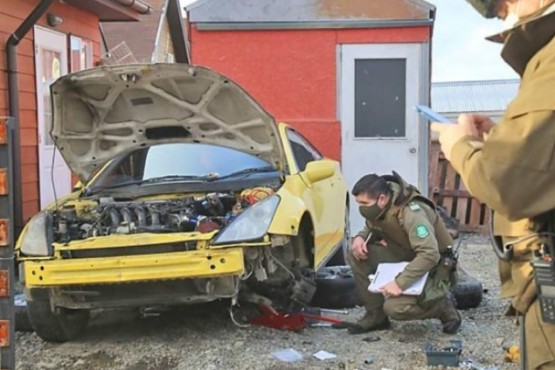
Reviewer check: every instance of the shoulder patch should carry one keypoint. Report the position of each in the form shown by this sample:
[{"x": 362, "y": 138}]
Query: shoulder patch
[
  {"x": 413, "y": 206},
  {"x": 422, "y": 231}
]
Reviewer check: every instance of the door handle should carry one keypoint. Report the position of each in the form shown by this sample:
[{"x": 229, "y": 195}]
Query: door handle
[{"x": 412, "y": 150}]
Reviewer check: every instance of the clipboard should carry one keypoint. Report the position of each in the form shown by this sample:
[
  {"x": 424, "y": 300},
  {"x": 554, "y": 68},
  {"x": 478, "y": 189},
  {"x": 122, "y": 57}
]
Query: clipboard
[{"x": 387, "y": 272}]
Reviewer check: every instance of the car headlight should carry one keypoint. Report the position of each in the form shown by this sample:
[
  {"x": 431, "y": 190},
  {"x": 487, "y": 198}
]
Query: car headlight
[
  {"x": 38, "y": 236},
  {"x": 252, "y": 224}
]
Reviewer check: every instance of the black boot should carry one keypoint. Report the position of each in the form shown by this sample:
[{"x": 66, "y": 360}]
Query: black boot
[
  {"x": 369, "y": 322},
  {"x": 450, "y": 318}
]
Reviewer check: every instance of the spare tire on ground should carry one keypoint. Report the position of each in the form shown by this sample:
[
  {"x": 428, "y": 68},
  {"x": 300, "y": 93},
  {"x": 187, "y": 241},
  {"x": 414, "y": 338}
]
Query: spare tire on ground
[
  {"x": 335, "y": 288},
  {"x": 468, "y": 291}
]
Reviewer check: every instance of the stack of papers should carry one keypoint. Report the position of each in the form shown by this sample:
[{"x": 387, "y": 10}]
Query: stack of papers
[{"x": 387, "y": 272}]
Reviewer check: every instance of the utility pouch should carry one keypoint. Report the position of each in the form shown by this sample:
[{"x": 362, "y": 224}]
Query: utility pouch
[{"x": 439, "y": 282}]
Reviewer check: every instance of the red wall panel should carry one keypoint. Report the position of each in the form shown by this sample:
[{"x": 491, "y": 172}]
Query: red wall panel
[
  {"x": 12, "y": 13},
  {"x": 292, "y": 73}
]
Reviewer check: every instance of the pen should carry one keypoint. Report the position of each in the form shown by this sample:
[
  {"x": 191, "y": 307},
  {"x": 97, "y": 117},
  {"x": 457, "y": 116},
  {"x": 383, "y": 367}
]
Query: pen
[{"x": 367, "y": 239}]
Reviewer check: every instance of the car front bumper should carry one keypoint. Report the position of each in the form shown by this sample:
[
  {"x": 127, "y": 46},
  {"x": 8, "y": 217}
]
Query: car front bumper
[{"x": 125, "y": 269}]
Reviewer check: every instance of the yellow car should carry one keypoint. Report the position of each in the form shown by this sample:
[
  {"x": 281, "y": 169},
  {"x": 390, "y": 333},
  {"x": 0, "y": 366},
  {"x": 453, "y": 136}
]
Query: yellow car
[{"x": 191, "y": 193}]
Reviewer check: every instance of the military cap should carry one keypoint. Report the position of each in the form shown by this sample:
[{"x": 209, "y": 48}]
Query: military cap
[{"x": 485, "y": 7}]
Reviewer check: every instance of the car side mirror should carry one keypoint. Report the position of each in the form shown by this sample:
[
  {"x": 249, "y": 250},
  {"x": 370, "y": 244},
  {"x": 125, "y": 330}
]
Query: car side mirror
[{"x": 320, "y": 170}]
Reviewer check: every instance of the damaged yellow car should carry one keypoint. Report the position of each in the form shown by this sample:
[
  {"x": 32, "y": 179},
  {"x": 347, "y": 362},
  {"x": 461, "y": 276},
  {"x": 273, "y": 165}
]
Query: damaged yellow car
[{"x": 191, "y": 192}]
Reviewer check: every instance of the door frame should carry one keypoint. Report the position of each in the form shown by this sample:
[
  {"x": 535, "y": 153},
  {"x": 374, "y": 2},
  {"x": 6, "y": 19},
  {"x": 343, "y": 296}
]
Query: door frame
[
  {"x": 423, "y": 98},
  {"x": 41, "y": 35}
]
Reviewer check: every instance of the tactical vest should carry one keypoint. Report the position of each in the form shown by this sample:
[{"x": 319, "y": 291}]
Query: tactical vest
[{"x": 392, "y": 222}]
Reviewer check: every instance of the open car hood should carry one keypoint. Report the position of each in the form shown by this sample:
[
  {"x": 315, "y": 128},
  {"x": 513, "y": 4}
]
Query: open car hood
[{"x": 103, "y": 112}]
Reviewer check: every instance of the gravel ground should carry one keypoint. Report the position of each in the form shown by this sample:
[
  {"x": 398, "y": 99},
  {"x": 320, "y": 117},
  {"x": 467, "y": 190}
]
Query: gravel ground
[{"x": 203, "y": 337}]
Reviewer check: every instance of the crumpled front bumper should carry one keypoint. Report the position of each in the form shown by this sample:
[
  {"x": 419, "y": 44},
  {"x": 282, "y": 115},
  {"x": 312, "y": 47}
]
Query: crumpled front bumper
[{"x": 124, "y": 269}]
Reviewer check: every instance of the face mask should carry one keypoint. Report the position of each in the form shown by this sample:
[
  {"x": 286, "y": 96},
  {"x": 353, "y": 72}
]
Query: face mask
[{"x": 371, "y": 213}]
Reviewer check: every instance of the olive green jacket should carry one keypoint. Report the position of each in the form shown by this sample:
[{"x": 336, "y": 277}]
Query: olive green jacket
[
  {"x": 415, "y": 230},
  {"x": 513, "y": 170}
]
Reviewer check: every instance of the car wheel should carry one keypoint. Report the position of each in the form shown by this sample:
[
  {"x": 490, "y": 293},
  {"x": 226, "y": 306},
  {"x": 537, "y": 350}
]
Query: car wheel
[
  {"x": 61, "y": 326},
  {"x": 468, "y": 291},
  {"x": 335, "y": 288},
  {"x": 340, "y": 256},
  {"x": 22, "y": 322}
]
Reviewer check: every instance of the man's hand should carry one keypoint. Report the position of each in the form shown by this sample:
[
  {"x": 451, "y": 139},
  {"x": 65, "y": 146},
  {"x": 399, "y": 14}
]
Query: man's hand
[
  {"x": 468, "y": 125},
  {"x": 391, "y": 290},
  {"x": 360, "y": 250}
]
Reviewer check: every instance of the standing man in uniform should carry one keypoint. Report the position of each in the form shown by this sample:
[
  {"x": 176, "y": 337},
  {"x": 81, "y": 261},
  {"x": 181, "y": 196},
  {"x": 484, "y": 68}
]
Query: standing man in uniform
[
  {"x": 401, "y": 225},
  {"x": 511, "y": 166}
]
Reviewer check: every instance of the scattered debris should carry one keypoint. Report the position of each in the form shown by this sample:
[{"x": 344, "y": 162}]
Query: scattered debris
[
  {"x": 512, "y": 355},
  {"x": 324, "y": 355},
  {"x": 371, "y": 339},
  {"x": 448, "y": 356},
  {"x": 471, "y": 365},
  {"x": 288, "y": 355},
  {"x": 499, "y": 341},
  {"x": 369, "y": 361}
]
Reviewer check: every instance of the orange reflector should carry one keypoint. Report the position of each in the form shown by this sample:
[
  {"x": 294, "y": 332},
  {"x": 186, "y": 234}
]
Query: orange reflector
[
  {"x": 3, "y": 132},
  {"x": 4, "y": 333},
  {"x": 4, "y": 284},
  {"x": 3, "y": 181},
  {"x": 4, "y": 237}
]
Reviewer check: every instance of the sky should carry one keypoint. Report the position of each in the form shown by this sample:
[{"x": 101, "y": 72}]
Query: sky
[{"x": 459, "y": 50}]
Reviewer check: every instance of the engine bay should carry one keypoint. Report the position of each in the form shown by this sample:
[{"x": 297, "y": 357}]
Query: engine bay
[{"x": 108, "y": 216}]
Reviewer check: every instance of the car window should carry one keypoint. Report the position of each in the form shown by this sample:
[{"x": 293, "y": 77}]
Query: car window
[
  {"x": 303, "y": 151},
  {"x": 182, "y": 159}
]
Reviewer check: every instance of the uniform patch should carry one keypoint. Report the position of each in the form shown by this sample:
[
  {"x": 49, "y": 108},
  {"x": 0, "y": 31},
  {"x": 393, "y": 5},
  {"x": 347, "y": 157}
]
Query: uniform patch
[
  {"x": 422, "y": 231},
  {"x": 413, "y": 206}
]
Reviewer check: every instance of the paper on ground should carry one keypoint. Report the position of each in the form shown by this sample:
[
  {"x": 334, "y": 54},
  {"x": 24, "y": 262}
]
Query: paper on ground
[
  {"x": 387, "y": 272},
  {"x": 324, "y": 355},
  {"x": 288, "y": 355}
]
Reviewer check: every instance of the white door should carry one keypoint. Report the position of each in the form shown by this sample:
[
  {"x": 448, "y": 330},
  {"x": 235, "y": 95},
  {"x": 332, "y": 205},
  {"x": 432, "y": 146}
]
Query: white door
[
  {"x": 379, "y": 85},
  {"x": 50, "y": 63}
]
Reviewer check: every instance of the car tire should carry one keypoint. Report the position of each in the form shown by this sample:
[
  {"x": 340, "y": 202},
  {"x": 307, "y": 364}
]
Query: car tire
[
  {"x": 22, "y": 322},
  {"x": 62, "y": 326},
  {"x": 468, "y": 291},
  {"x": 335, "y": 288},
  {"x": 340, "y": 256}
]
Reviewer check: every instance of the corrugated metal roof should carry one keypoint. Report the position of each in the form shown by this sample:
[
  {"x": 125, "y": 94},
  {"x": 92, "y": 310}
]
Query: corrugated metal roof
[
  {"x": 287, "y": 11},
  {"x": 473, "y": 96}
]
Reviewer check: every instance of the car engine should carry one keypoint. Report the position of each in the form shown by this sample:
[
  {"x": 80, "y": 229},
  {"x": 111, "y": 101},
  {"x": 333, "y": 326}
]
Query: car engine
[{"x": 190, "y": 214}]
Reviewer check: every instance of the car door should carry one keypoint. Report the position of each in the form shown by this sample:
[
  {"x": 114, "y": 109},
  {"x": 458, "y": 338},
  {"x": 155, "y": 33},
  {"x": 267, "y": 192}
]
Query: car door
[{"x": 324, "y": 199}]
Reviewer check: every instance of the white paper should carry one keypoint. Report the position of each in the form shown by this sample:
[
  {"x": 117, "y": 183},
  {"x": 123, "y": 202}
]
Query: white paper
[
  {"x": 324, "y": 355},
  {"x": 288, "y": 355},
  {"x": 387, "y": 272}
]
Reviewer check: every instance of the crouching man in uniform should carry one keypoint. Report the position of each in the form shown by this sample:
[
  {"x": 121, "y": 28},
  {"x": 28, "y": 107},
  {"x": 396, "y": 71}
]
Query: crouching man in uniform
[{"x": 401, "y": 225}]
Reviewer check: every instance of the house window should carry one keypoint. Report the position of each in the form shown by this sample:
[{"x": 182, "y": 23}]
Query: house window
[
  {"x": 81, "y": 54},
  {"x": 303, "y": 151},
  {"x": 380, "y": 98}
]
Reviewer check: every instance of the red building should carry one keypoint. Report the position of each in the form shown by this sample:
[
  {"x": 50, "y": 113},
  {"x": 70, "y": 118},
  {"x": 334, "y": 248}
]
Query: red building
[
  {"x": 41, "y": 40},
  {"x": 346, "y": 74}
]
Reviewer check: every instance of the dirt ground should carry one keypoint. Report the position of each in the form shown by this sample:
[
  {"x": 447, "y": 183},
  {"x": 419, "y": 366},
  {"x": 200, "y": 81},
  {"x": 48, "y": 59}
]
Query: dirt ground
[{"x": 203, "y": 337}]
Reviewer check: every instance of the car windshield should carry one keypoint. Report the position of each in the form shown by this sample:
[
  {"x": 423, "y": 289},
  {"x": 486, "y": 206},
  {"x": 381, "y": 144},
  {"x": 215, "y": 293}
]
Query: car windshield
[{"x": 178, "y": 162}]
